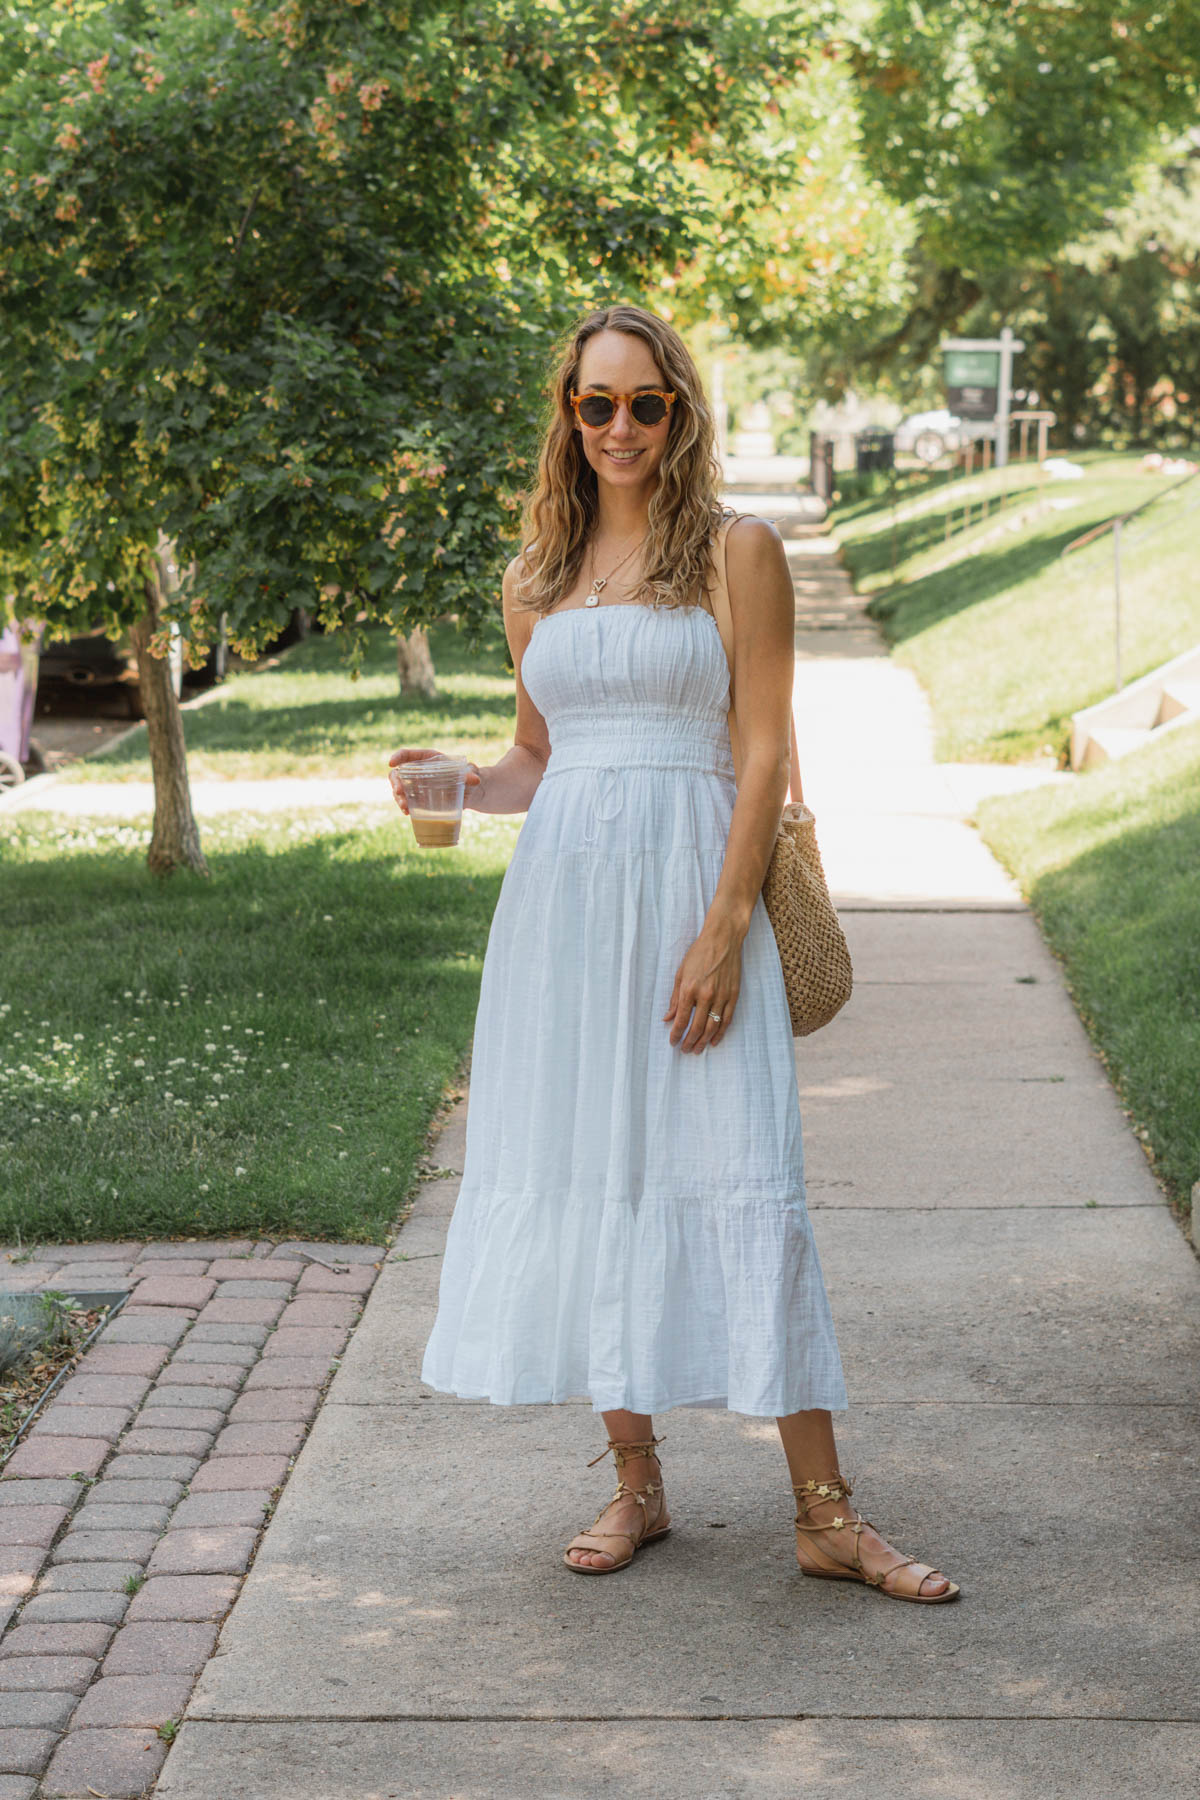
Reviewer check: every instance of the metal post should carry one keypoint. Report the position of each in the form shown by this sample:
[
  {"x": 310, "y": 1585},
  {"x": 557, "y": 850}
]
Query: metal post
[
  {"x": 1117, "y": 601},
  {"x": 987, "y": 463},
  {"x": 1004, "y": 395}
]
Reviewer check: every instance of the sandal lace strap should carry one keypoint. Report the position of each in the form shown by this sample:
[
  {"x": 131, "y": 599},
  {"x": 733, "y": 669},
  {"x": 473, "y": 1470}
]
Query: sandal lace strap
[
  {"x": 623, "y": 1453},
  {"x": 837, "y": 1487}
]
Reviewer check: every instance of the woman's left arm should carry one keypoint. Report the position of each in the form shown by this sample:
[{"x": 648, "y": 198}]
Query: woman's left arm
[{"x": 763, "y": 607}]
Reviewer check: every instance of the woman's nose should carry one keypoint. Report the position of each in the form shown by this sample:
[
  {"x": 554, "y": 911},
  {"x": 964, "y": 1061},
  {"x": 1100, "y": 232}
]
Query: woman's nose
[{"x": 624, "y": 424}]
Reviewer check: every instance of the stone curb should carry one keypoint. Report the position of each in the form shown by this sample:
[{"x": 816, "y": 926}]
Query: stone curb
[{"x": 132, "y": 1510}]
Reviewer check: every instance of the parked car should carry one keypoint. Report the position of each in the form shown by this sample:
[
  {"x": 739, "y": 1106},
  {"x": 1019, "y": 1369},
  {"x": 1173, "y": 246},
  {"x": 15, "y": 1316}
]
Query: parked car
[
  {"x": 929, "y": 435},
  {"x": 93, "y": 660}
]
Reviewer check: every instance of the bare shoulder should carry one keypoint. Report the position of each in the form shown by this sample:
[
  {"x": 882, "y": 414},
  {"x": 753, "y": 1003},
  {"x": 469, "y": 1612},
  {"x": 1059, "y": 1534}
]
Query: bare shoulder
[
  {"x": 515, "y": 571},
  {"x": 756, "y": 566},
  {"x": 753, "y": 546},
  {"x": 514, "y": 575}
]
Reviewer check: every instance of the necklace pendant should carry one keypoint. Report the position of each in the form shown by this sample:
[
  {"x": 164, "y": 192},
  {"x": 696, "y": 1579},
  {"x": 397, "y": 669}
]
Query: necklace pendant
[{"x": 593, "y": 599}]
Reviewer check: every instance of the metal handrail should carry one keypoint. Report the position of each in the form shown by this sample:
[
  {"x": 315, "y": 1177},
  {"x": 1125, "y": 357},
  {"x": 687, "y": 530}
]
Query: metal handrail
[
  {"x": 1124, "y": 518},
  {"x": 1116, "y": 525}
]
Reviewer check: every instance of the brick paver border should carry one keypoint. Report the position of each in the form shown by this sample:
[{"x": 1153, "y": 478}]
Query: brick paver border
[{"x": 131, "y": 1511}]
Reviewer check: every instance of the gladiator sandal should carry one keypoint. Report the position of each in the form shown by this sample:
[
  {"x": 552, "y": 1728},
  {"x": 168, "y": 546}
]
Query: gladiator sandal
[
  {"x": 622, "y": 1453},
  {"x": 811, "y": 1493}
]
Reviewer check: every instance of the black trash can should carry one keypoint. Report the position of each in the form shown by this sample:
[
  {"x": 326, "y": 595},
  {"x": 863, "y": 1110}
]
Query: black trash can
[{"x": 874, "y": 448}]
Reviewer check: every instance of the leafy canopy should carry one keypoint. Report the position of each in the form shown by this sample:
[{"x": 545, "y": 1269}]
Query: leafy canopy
[{"x": 279, "y": 280}]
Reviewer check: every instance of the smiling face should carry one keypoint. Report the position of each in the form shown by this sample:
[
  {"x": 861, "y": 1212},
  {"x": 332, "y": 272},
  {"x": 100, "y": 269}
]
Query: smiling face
[{"x": 624, "y": 454}]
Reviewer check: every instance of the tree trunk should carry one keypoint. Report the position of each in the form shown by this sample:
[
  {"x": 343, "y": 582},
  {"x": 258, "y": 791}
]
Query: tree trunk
[
  {"x": 175, "y": 841},
  {"x": 414, "y": 664}
]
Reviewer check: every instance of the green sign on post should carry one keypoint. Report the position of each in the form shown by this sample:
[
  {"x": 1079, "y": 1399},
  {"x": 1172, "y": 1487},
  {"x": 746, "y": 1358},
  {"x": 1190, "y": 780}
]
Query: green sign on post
[
  {"x": 972, "y": 368},
  {"x": 972, "y": 380},
  {"x": 978, "y": 378}
]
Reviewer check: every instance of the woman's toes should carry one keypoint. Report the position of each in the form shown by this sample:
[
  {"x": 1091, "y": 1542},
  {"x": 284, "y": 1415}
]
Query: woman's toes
[{"x": 590, "y": 1559}]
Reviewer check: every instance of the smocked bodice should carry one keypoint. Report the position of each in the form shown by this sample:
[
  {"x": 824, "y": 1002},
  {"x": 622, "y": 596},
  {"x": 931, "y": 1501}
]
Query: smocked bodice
[{"x": 628, "y": 683}]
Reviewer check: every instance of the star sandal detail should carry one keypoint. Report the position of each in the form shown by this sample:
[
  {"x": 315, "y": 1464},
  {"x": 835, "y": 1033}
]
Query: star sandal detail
[
  {"x": 653, "y": 1525},
  {"x": 822, "y": 1566}
]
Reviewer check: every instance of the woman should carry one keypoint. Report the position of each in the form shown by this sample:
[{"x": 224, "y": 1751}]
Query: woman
[{"x": 631, "y": 1222}]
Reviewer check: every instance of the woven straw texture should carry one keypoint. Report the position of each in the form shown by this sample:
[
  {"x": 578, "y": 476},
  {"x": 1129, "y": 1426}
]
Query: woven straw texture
[{"x": 817, "y": 971}]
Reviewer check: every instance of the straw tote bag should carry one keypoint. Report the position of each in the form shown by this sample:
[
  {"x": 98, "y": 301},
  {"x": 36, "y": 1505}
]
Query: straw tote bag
[{"x": 817, "y": 971}]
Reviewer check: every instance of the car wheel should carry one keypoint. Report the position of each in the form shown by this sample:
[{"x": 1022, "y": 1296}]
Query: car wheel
[
  {"x": 11, "y": 772},
  {"x": 929, "y": 446}
]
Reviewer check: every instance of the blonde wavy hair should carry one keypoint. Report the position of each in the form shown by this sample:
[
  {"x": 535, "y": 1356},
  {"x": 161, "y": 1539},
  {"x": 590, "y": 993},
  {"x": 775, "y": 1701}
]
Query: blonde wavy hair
[{"x": 685, "y": 510}]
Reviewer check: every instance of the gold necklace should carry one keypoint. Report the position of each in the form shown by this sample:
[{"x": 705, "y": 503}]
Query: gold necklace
[{"x": 598, "y": 586}]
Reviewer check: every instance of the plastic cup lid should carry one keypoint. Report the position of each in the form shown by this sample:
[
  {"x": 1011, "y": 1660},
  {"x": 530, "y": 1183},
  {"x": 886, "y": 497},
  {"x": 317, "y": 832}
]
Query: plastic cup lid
[{"x": 430, "y": 765}]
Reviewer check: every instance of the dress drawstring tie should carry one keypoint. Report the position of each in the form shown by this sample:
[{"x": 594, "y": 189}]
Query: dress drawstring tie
[{"x": 607, "y": 787}]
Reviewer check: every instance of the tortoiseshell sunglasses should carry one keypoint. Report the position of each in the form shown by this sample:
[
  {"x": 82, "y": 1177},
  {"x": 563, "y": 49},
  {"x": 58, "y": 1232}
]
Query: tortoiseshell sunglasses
[{"x": 649, "y": 406}]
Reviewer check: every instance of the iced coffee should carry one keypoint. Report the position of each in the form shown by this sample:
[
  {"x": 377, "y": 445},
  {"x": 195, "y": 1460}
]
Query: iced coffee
[{"x": 433, "y": 791}]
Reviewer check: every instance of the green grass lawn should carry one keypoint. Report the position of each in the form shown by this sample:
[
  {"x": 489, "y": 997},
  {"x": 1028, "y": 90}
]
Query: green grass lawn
[
  {"x": 305, "y": 715},
  {"x": 1111, "y": 865},
  {"x": 1007, "y": 639},
  {"x": 258, "y": 1053},
  {"x": 262, "y": 1052}
]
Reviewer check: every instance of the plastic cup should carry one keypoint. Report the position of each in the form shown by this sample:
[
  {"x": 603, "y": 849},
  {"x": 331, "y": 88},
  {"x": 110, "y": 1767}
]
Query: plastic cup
[{"x": 433, "y": 792}]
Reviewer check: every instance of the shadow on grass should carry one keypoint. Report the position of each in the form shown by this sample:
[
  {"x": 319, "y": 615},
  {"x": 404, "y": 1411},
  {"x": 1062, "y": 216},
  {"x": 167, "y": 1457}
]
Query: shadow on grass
[
  {"x": 304, "y": 701},
  {"x": 907, "y": 610},
  {"x": 326, "y": 727},
  {"x": 257, "y": 1054},
  {"x": 1124, "y": 916},
  {"x": 912, "y": 486}
]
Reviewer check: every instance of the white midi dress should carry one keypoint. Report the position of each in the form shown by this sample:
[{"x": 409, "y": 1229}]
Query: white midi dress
[{"x": 631, "y": 1225}]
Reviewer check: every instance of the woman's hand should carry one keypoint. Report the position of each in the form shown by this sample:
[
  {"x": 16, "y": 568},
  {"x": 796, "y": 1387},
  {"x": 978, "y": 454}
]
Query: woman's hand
[
  {"x": 408, "y": 754},
  {"x": 708, "y": 980}
]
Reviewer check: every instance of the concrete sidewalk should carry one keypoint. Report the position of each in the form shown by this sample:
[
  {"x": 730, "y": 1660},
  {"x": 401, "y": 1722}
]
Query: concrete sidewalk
[{"x": 1019, "y": 1320}]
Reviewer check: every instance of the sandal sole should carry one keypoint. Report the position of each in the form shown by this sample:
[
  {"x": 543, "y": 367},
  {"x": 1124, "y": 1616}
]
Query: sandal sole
[
  {"x": 952, "y": 1592},
  {"x": 583, "y": 1569}
]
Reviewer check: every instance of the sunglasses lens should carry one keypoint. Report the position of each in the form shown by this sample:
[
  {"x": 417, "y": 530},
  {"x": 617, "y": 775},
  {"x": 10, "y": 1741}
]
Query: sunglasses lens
[
  {"x": 596, "y": 409},
  {"x": 649, "y": 409}
]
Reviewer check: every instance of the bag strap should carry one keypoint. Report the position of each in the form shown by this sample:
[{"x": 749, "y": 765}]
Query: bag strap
[{"x": 723, "y": 613}]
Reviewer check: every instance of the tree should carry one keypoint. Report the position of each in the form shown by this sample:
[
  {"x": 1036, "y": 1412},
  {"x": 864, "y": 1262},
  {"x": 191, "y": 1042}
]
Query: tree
[
  {"x": 1112, "y": 324},
  {"x": 819, "y": 266},
  {"x": 1009, "y": 130},
  {"x": 277, "y": 284}
]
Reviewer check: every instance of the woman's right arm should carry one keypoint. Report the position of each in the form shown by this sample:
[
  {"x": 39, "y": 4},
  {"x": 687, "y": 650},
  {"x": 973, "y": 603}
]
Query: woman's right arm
[{"x": 509, "y": 785}]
